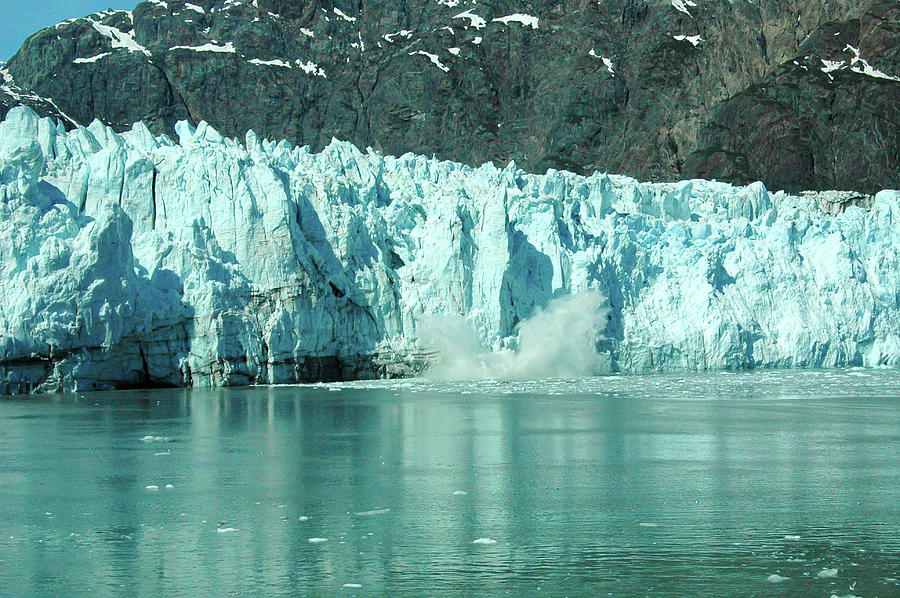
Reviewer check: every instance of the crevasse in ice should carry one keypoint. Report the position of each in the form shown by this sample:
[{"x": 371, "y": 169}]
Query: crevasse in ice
[{"x": 128, "y": 259}]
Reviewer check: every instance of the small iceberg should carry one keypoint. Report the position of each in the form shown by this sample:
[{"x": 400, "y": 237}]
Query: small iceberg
[
  {"x": 775, "y": 578},
  {"x": 373, "y": 512},
  {"x": 827, "y": 573},
  {"x": 485, "y": 541}
]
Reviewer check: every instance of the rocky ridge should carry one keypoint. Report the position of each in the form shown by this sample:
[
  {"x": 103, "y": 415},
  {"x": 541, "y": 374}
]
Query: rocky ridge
[{"x": 797, "y": 94}]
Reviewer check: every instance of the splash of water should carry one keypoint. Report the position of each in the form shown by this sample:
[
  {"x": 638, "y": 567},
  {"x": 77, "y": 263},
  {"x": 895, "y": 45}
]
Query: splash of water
[{"x": 556, "y": 342}]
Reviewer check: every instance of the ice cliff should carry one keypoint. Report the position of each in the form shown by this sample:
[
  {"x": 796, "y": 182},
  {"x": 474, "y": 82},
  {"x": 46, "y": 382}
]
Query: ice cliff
[{"x": 129, "y": 260}]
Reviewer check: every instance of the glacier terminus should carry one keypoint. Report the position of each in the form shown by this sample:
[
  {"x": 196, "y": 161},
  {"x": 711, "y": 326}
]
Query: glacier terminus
[{"x": 130, "y": 260}]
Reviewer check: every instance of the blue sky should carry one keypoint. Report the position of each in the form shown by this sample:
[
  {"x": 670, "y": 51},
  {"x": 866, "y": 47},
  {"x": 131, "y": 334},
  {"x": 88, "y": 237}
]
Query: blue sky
[{"x": 21, "y": 18}]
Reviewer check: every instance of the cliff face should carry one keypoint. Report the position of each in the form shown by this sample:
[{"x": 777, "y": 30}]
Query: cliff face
[
  {"x": 128, "y": 259},
  {"x": 798, "y": 94}
]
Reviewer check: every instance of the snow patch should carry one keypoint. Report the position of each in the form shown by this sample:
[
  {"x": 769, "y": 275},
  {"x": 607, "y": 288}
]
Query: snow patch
[
  {"x": 694, "y": 40},
  {"x": 227, "y": 48},
  {"x": 433, "y": 58},
  {"x": 475, "y": 21},
  {"x": 526, "y": 20},
  {"x": 91, "y": 59},
  {"x": 682, "y": 6}
]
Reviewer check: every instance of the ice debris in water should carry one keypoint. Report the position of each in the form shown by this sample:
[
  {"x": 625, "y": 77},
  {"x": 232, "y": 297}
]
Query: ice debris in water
[
  {"x": 485, "y": 541},
  {"x": 775, "y": 578},
  {"x": 827, "y": 573},
  {"x": 272, "y": 256},
  {"x": 373, "y": 512}
]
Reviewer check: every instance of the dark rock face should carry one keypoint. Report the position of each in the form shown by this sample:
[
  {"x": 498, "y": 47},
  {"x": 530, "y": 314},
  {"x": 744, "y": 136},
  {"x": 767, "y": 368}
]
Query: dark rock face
[{"x": 798, "y": 94}]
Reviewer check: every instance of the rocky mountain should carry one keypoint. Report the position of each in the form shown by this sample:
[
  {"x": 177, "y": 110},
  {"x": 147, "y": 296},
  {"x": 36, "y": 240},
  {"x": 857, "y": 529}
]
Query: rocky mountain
[{"x": 798, "y": 94}]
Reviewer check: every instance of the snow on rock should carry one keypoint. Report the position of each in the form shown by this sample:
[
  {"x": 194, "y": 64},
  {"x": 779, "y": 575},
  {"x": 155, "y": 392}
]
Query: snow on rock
[
  {"x": 606, "y": 61},
  {"x": 118, "y": 38},
  {"x": 92, "y": 58},
  {"x": 857, "y": 64},
  {"x": 273, "y": 62},
  {"x": 527, "y": 20},
  {"x": 474, "y": 20},
  {"x": 682, "y": 6},
  {"x": 227, "y": 48},
  {"x": 694, "y": 40},
  {"x": 131, "y": 259},
  {"x": 433, "y": 58}
]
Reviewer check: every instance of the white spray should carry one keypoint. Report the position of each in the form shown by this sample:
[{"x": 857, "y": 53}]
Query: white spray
[{"x": 556, "y": 342}]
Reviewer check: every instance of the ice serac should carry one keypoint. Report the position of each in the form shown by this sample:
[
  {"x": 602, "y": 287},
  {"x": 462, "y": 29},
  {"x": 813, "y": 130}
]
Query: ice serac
[{"x": 134, "y": 260}]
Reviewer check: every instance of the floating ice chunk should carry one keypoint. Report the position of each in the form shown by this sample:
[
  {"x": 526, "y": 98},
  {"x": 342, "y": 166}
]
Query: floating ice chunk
[
  {"x": 827, "y": 573},
  {"x": 373, "y": 512},
  {"x": 459, "y": 493},
  {"x": 227, "y": 530},
  {"x": 775, "y": 578},
  {"x": 485, "y": 541},
  {"x": 153, "y": 488},
  {"x": 317, "y": 540}
]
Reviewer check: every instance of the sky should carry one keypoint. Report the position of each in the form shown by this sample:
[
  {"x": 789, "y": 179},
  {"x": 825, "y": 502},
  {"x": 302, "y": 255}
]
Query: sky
[{"x": 21, "y": 18}]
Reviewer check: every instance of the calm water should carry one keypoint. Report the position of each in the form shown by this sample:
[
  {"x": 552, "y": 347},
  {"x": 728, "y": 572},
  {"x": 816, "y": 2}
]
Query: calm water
[{"x": 626, "y": 486}]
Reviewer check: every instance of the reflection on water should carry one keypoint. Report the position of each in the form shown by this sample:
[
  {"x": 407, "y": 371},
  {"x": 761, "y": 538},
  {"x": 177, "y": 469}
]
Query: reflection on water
[{"x": 657, "y": 486}]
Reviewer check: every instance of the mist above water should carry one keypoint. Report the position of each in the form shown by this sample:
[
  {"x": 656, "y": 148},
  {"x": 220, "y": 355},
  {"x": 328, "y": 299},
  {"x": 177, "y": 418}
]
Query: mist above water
[{"x": 558, "y": 341}]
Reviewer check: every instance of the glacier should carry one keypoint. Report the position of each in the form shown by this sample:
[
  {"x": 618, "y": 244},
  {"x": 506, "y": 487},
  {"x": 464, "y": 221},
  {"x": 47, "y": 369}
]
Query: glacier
[{"x": 132, "y": 260}]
